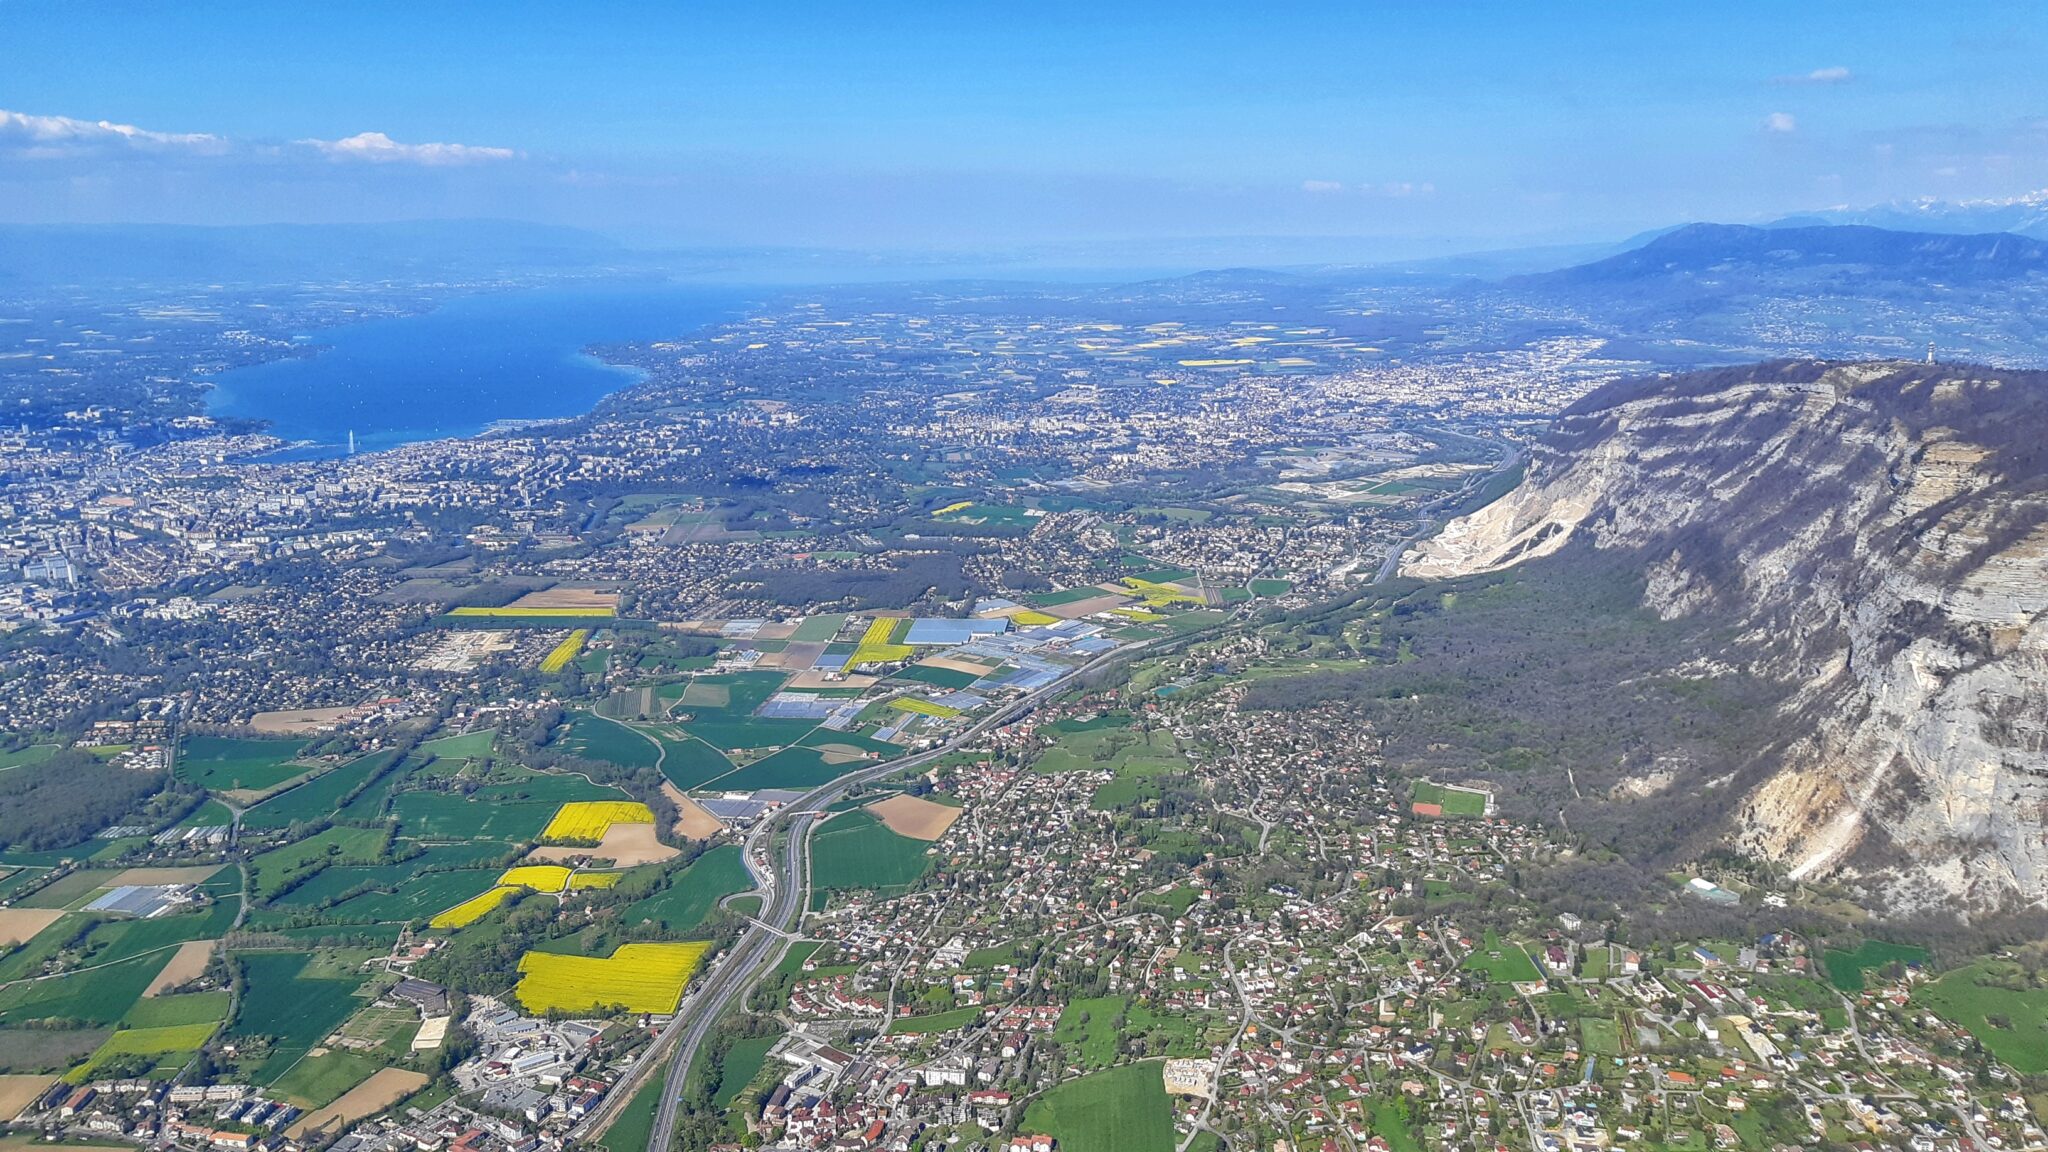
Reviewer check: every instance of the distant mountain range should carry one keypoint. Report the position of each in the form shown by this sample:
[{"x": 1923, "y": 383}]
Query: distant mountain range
[
  {"x": 1721, "y": 254},
  {"x": 2024, "y": 215}
]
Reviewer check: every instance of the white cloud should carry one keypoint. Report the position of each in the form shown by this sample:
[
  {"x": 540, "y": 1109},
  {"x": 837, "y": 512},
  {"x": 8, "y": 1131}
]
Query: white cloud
[
  {"x": 25, "y": 135},
  {"x": 1781, "y": 122},
  {"x": 1833, "y": 74},
  {"x": 378, "y": 148},
  {"x": 1321, "y": 186}
]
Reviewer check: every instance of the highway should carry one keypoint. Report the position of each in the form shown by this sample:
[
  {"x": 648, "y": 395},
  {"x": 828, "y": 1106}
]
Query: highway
[{"x": 786, "y": 890}]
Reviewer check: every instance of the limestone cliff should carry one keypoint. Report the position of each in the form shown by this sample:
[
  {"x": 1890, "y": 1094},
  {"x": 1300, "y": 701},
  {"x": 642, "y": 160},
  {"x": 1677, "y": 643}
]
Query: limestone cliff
[{"x": 1876, "y": 534}]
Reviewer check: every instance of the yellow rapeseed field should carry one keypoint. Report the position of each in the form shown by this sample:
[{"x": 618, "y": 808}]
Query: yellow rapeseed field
[
  {"x": 1030, "y": 619},
  {"x": 949, "y": 509},
  {"x": 638, "y": 977},
  {"x": 566, "y": 651},
  {"x": 539, "y": 877},
  {"x": 593, "y": 880},
  {"x": 1161, "y": 595},
  {"x": 591, "y": 819},
  {"x": 471, "y": 910},
  {"x": 877, "y": 645}
]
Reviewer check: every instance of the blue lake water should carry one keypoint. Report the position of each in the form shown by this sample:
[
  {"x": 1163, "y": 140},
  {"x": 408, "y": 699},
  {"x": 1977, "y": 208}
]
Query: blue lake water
[{"x": 469, "y": 362}]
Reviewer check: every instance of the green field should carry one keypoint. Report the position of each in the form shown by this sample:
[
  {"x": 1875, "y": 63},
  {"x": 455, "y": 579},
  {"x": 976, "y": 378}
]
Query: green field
[
  {"x": 1845, "y": 969},
  {"x": 223, "y": 763},
  {"x": 1110, "y": 749},
  {"x": 318, "y": 1081},
  {"x": 468, "y": 746},
  {"x": 318, "y": 798},
  {"x": 119, "y": 939},
  {"x": 931, "y": 674},
  {"x": 452, "y": 816},
  {"x": 415, "y": 899},
  {"x": 596, "y": 738},
  {"x": 68, "y": 889},
  {"x": 743, "y": 1061},
  {"x": 1503, "y": 963},
  {"x": 1270, "y": 587},
  {"x": 274, "y": 871},
  {"x": 97, "y": 996},
  {"x": 818, "y": 628},
  {"x": 28, "y": 1050},
  {"x": 295, "y": 1010},
  {"x": 634, "y": 1124},
  {"x": 691, "y": 896},
  {"x": 1601, "y": 1036},
  {"x": 170, "y": 1011},
  {"x": 1122, "y": 1110},
  {"x": 32, "y": 754},
  {"x": 1064, "y": 596},
  {"x": 1804, "y": 992},
  {"x": 1454, "y": 801},
  {"x": 855, "y": 850},
  {"x": 935, "y": 1022},
  {"x": 2001, "y": 1004},
  {"x": 173, "y": 1044}
]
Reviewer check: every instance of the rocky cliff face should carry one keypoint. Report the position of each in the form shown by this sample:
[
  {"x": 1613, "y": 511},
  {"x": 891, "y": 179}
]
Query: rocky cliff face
[{"x": 1875, "y": 534}]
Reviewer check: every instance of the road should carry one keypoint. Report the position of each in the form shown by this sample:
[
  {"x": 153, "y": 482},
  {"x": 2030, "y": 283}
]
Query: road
[
  {"x": 761, "y": 945},
  {"x": 763, "y": 942}
]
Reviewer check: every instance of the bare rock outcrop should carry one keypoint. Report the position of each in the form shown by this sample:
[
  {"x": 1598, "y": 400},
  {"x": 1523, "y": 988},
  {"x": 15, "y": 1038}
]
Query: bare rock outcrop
[{"x": 1876, "y": 534}]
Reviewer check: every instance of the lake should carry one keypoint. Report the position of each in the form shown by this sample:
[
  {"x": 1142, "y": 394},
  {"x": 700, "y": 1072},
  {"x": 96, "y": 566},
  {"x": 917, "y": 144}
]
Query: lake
[{"x": 457, "y": 369}]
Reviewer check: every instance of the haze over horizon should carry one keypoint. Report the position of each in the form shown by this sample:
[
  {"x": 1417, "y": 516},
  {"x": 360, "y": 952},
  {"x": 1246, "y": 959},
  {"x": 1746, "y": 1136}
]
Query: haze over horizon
[{"x": 927, "y": 127}]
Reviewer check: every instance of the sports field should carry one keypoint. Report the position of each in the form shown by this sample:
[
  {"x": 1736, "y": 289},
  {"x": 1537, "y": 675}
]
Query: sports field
[
  {"x": 637, "y": 978},
  {"x": 1448, "y": 800}
]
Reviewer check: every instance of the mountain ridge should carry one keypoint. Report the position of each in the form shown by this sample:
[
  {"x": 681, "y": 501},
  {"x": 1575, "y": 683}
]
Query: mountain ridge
[
  {"x": 1875, "y": 536},
  {"x": 1728, "y": 250}
]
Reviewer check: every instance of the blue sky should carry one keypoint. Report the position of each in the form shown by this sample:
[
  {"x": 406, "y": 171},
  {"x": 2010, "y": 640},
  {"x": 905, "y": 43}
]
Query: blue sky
[{"x": 1416, "y": 127}]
